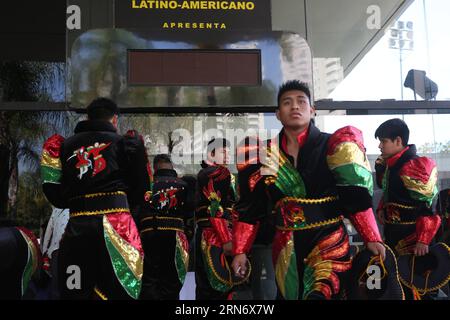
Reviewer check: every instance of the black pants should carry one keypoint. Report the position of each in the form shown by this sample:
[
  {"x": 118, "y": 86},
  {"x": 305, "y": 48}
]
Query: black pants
[
  {"x": 83, "y": 253},
  {"x": 160, "y": 279},
  {"x": 393, "y": 233},
  {"x": 54, "y": 285},
  {"x": 13, "y": 259}
]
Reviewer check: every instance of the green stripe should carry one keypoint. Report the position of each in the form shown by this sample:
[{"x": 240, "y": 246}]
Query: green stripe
[
  {"x": 123, "y": 273},
  {"x": 50, "y": 175},
  {"x": 308, "y": 281},
  {"x": 179, "y": 263},
  {"x": 421, "y": 197},
  {"x": 291, "y": 279},
  {"x": 28, "y": 271},
  {"x": 289, "y": 181},
  {"x": 385, "y": 185},
  {"x": 354, "y": 175}
]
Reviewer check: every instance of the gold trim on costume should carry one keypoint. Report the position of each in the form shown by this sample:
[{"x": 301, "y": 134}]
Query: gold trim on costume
[
  {"x": 100, "y": 294},
  {"x": 162, "y": 218},
  {"x": 402, "y": 206},
  {"x": 405, "y": 222},
  {"x": 162, "y": 228},
  {"x": 207, "y": 250},
  {"x": 99, "y": 212},
  {"x": 305, "y": 201},
  {"x": 101, "y": 194},
  {"x": 312, "y": 225}
]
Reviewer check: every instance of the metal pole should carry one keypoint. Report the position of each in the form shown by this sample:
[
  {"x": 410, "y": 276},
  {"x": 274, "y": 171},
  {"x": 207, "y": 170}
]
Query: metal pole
[{"x": 401, "y": 70}]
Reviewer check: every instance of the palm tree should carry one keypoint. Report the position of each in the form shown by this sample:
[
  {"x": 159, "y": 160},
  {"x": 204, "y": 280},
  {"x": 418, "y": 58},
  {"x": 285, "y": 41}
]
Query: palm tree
[{"x": 22, "y": 132}]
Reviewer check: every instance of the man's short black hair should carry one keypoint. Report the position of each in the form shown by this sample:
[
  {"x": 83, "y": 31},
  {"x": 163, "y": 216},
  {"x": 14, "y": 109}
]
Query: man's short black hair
[
  {"x": 293, "y": 85},
  {"x": 161, "y": 158},
  {"x": 102, "y": 109},
  {"x": 392, "y": 129},
  {"x": 217, "y": 143}
]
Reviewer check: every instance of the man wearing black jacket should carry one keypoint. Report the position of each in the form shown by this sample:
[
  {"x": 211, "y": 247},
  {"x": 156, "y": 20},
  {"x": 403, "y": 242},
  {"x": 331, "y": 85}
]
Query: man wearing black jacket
[
  {"x": 161, "y": 226},
  {"x": 98, "y": 174}
]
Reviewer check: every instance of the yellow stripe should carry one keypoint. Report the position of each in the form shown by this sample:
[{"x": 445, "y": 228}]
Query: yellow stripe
[
  {"x": 400, "y": 222},
  {"x": 348, "y": 153},
  {"x": 99, "y": 212},
  {"x": 162, "y": 218},
  {"x": 100, "y": 194},
  {"x": 48, "y": 161},
  {"x": 305, "y": 201},
  {"x": 282, "y": 265},
  {"x": 162, "y": 228},
  {"x": 402, "y": 206},
  {"x": 426, "y": 189},
  {"x": 100, "y": 294},
  {"x": 131, "y": 255},
  {"x": 312, "y": 225}
]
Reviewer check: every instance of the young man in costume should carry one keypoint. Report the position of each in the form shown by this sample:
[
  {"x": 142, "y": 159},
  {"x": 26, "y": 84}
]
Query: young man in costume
[
  {"x": 409, "y": 188},
  {"x": 98, "y": 174},
  {"x": 312, "y": 180},
  {"x": 215, "y": 197},
  {"x": 161, "y": 226}
]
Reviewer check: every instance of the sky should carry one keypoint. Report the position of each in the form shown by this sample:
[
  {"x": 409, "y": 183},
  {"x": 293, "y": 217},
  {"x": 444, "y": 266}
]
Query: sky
[{"x": 377, "y": 76}]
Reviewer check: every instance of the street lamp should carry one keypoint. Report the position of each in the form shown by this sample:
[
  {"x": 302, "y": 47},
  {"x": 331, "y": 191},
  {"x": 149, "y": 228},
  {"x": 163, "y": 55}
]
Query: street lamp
[{"x": 402, "y": 39}]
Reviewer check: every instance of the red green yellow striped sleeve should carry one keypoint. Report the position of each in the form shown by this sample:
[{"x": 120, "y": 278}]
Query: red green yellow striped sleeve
[{"x": 50, "y": 160}]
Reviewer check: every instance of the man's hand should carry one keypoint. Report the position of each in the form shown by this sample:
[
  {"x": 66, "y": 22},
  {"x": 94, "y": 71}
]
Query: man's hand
[
  {"x": 239, "y": 265},
  {"x": 421, "y": 249},
  {"x": 227, "y": 248},
  {"x": 377, "y": 249}
]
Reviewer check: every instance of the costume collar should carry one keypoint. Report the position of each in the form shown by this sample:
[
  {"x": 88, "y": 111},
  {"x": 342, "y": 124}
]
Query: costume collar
[
  {"x": 94, "y": 125},
  {"x": 301, "y": 139},
  {"x": 406, "y": 153},
  {"x": 166, "y": 173}
]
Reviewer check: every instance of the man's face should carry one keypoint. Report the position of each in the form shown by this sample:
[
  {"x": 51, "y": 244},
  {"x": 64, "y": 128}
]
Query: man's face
[
  {"x": 390, "y": 147},
  {"x": 294, "y": 111},
  {"x": 220, "y": 156}
]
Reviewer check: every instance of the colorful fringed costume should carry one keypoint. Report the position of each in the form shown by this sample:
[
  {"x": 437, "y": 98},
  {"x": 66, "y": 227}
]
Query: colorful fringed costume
[
  {"x": 332, "y": 180},
  {"x": 409, "y": 188},
  {"x": 214, "y": 277},
  {"x": 98, "y": 175}
]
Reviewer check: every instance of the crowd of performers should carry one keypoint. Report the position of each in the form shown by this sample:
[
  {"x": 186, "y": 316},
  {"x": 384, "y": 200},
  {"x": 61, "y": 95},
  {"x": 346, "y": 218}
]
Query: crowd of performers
[{"x": 127, "y": 230}]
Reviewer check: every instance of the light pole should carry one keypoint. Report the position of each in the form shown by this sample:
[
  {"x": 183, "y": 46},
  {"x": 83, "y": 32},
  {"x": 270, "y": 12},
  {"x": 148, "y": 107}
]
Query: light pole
[{"x": 402, "y": 38}]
